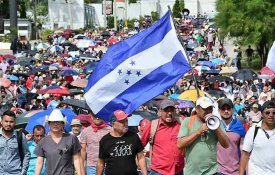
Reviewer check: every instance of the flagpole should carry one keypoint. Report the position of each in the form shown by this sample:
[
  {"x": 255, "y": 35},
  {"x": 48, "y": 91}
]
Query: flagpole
[{"x": 182, "y": 43}]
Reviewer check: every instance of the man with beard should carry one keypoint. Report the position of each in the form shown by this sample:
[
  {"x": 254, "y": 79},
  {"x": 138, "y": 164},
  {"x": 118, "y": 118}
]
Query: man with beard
[
  {"x": 119, "y": 149},
  {"x": 14, "y": 156},
  {"x": 89, "y": 140},
  {"x": 228, "y": 159}
]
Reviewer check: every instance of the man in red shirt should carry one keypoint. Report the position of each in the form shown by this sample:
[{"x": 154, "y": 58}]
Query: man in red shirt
[{"x": 166, "y": 159}]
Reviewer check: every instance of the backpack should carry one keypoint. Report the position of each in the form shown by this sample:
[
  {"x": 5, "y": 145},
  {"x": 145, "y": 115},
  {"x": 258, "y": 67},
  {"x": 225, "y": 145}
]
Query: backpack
[{"x": 20, "y": 145}]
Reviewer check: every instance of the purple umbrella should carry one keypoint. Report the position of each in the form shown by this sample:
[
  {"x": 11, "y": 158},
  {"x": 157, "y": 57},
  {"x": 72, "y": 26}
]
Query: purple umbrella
[{"x": 185, "y": 104}]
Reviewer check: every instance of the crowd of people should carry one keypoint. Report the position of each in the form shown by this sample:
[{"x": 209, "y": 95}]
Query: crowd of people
[{"x": 179, "y": 141}]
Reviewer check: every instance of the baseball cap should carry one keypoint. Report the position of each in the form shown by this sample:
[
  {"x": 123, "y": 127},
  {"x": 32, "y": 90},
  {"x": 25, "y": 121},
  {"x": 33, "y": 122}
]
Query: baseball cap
[
  {"x": 225, "y": 101},
  {"x": 119, "y": 115},
  {"x": 267, "y": 104},
  {"x": 167, "y": 103},
  {"x": 204, "y": 102},
  {"x": 75, "y": 122}
]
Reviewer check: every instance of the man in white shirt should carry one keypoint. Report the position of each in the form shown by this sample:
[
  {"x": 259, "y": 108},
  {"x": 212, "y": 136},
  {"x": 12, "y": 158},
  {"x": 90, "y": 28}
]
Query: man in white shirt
[{"x": 258, "y": 148}]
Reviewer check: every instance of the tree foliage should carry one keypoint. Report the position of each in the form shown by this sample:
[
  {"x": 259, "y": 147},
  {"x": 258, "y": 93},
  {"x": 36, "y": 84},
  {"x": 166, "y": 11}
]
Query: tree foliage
[
  {"x": 251, "y": 22},
  {"x": 181, "y": 4},
  {"x": 177, "y": 10}
]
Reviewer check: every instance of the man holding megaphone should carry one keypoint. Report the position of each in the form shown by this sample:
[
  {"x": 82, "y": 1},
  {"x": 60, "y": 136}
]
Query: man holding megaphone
[{"x": 199, "y": 135}]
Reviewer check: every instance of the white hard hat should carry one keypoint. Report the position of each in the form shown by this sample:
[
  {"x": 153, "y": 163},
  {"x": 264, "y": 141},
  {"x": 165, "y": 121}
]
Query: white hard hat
[{"x": 56, "y": 116}]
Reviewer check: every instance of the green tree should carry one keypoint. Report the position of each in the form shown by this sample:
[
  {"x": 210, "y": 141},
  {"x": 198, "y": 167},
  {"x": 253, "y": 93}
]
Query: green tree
[
  {"x": 155, "y": 16},
  {"x": 22, "y": 8},
  {"x": 251, "y": 22},
  {"x": 177, "y": 10},
  {"x": 181, "y": 5},
  {"x": 110, "y": 21}
]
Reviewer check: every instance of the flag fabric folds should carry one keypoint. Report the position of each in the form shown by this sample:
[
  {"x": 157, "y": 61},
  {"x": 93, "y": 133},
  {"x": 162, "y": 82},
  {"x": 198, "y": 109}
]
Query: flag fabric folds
[
  {"x": 270, "y": 63},
  {"x": 136, "y": 70}
]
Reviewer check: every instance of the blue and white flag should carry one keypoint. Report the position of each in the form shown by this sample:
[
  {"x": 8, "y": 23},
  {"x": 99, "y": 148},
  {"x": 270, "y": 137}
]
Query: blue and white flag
[
  {"x": 136, "y": 70},
  {"x": 270, "y": 63}
]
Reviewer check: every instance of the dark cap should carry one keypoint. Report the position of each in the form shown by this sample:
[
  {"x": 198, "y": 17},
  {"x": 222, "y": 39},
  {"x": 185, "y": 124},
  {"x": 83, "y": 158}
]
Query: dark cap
[
  {"x": 267, "y": 104},
  {"x": 167, "y": 103},
  {"x": 225, "y": 101},
  {"x": 118, "y": 115}
]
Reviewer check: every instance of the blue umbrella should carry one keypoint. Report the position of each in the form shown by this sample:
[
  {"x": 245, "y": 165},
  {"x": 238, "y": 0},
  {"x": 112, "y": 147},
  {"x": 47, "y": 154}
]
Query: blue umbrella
[
  {"x": 174, "y": 96},
  {"x": 40, "y": 117},
  {"x": 134, "y": 120},
  {"x": 69, "y": 73},
  {"x": 218, "y": 61},
  {"x": 90, "y": 67},
  {"x": 185, "y": 104},
  {"x": 205, "y": 63},
  {"x": 12, "y": 77}
]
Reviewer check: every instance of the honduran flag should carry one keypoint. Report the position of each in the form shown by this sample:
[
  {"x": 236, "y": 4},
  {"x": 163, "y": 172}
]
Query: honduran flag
[{"x": 136, "y": 70}]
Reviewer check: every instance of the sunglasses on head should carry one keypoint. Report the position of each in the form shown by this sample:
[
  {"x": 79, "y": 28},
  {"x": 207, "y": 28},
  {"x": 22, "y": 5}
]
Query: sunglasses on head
[{"x": 268, "y": 112}]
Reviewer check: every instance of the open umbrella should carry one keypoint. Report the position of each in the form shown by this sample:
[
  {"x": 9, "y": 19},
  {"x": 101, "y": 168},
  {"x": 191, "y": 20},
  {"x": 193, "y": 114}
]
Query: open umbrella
[
  {"x": 41, "y": 46},
  {"x": 76, "y": 91},
  {"x": 57, "y": 90},
  {"x": 24, "y": 63},
  {"x": 40, "y": 118},
  {"x": 191, "y": 95},
  {"x": 185, "y": 104},
  {"x": 85, "y": 43},
  {"x": 9, "y": 56},
  {"x": 228, "y": 70},
  {"x": 105, "y": 34},
  {"x": 216, "y": 93},
  {"x": 202, "y": 68},
  {"x": 213, "y": 71},
  {"x": 266, "y": 71},
  {"x": 219, "y": 78},
  {"x": 12, "y": 77},
  {"x": 245, "y": 74},
  {"x": 76, "y": 103},
  {"x": 112, "y": 40},
  {"x": 56, "y": 48},
  {"x": 205, "y": 63},
  {"x": 146, "y": 114},
  {"x": 80, "y": 83},
  {"x": 218, "y": 61},
  {"x": 5, "y": 82},
  {"x": 69, "y": 73},
  {"x": 27, "y": 96},
  {"x": 191, "y": 77},
  {"x": 90, "y": 67}
]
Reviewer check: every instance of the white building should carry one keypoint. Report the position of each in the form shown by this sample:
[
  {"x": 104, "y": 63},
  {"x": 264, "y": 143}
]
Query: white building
[
  {"x": 24, "y": 28},
  {"x": 75, "y": 14}
]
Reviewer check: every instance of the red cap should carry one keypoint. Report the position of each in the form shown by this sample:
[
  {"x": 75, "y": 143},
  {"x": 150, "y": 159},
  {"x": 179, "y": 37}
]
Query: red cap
[{"x": 119, "y": 115}]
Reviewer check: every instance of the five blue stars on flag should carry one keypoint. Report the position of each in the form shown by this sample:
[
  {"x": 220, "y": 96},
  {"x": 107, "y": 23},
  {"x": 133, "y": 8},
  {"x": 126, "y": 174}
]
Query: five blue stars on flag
[{"x": 129, "y": 72}]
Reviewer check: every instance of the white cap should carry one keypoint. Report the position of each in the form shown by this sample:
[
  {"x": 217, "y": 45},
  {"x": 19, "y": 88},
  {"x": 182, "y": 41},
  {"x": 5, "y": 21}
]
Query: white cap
[
  {"x": 204, "y": 102},
  {"x": 56, "y": 116}
]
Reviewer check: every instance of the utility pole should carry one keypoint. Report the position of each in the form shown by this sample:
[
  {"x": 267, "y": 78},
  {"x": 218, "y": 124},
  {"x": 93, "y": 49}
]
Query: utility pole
[
  {"x": 126, "y": 14},
  {"x": 104, "y": 13},
  {"x": 70, "y": 14},
  {"x": 115, "y": 20},
  {"x": 13, "y": 19},
  {"x": 35, "y": 18}
]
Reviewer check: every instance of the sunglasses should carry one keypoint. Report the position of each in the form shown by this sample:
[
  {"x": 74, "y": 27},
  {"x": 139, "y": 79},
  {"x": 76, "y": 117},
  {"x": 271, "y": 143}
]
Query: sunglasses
[{"x": 268, "y": 112}]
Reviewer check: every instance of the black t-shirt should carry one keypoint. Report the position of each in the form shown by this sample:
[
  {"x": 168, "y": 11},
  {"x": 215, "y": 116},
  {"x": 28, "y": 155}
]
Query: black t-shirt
[{"x": 119, "y": 153}]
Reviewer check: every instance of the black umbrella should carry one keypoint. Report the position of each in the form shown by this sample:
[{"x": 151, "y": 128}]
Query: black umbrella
[
  {"x": 76, "y": 103},
  {"x": 90, "y": 67},
  {"x": 213, "y": 71},
  {"x": 160, "y": 97},
  {"x": 24, "y": 63},
  {"x": 216, "y": 93},
  {"x": 197, "y": 78},
  {"x": 146, "y": 115},
  {"x": 219, "y": 78},
  {"x": 105, "y": 33},
  {"x": 76, "y": 91},
  {"x": 21, "y": 75},
  {"x": 245, "y": 74}
]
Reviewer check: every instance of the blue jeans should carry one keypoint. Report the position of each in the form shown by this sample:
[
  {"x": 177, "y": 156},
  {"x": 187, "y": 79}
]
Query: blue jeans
[
  {"x": 90, "y": 170},
  {"x": 152, "y": 172}
]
